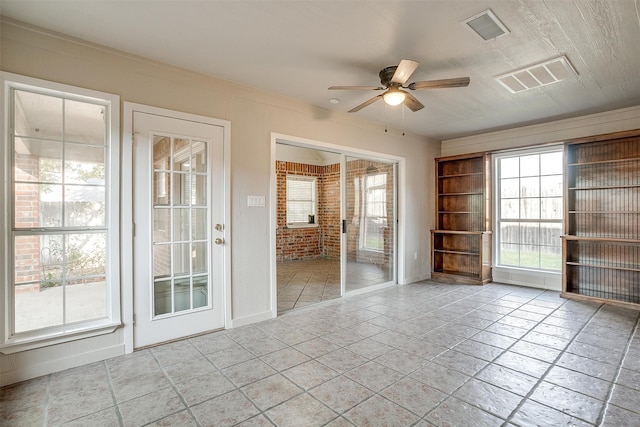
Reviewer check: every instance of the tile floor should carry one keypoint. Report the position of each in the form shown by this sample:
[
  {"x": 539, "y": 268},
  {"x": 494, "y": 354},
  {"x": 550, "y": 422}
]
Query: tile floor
[
  {"x": 306, "y": 282},
  {"x": 422, "y": 354}
]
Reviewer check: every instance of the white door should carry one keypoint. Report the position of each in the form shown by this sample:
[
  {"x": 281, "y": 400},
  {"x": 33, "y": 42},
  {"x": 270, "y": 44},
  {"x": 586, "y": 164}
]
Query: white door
[{"x": 179, "y": 228}]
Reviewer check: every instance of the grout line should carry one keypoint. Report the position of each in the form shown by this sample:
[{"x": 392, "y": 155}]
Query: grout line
[
  {"x": 551, "y": 366},
  {"x": 113, "y": 394},
  {"x": 603, "y": 411}
]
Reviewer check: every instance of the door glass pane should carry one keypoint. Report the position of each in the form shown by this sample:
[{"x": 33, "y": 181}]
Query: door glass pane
[
  {"x": 199, "y": 257},
  {"x": 162, "y": 297},
  {"x": 161, "y": 185},
  {"x": 182, "y": 294},
  {"x": 199, "y": 224},
  {"x": 199, "y": 190},
  {"x": 370, "y": 216},
  {"x": 161, "y": 152},
  {"x": 200, "y": 291},
  {"x": 181, "y": 224},
  {"x": 181, "y": 189},
  {"x": 180, "y": 169},
  {"x": 199, "y": 157},
  {"x": 161, "y": 260},
  {"x": 161, "y": 221},
  {"x": 181, "y": 258}
]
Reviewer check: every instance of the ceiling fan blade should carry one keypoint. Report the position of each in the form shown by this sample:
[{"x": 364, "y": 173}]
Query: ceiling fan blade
[
  {"x": 436, "y": 84},
  {"x": 404, "y": 71},
  {"x": 356, "y": 88},
  {"x": 364, "y": 104},
  {"x": 412, "y": 102}
]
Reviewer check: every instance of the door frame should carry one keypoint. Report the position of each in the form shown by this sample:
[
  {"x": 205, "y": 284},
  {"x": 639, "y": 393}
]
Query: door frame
[
  {"x": 126, "y": 195},
  {"x": 344, "y": 151}
]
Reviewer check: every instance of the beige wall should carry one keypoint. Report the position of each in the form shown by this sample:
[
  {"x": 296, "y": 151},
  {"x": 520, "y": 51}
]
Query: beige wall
[{"x": 254, "y": 115}]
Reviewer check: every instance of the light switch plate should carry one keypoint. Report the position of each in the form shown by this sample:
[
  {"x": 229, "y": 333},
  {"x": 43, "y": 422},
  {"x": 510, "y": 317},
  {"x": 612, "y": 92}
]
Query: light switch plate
[{"x": 255, "y": 200}]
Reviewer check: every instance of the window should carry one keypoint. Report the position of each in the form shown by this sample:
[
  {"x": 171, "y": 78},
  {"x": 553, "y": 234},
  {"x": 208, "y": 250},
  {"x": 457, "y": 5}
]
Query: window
[
  {"x": 375, "y": 211},
  {"x": 61, "y": 210},
  {"x": 301, "y": 201},
  {"x": 529, "y": 209}
]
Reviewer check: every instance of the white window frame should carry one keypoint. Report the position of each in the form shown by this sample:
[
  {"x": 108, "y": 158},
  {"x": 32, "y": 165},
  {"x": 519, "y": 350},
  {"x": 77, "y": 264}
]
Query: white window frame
[
  {"x": 497, "y": 208},
  {"x": 9, "y": 341},
  {"x": 314, "y": 183},
  {"x": 365, "y": 215}
]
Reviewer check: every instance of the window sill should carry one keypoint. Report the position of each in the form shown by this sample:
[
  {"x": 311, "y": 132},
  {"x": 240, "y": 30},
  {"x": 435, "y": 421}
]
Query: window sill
[
  {"x": 40, "y": 339},
  {"x": 302, "y": 225}
]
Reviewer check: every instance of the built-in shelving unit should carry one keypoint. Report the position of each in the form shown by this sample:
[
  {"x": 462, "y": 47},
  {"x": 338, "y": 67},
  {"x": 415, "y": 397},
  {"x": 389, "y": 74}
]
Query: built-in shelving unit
[
  {"x": 601, "y": 247},
  {"x": 461, "y": 241}
]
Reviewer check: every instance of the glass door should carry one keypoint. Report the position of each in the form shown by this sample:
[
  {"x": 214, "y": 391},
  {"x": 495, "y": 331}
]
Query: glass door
[{"x": 369, "y": 227}]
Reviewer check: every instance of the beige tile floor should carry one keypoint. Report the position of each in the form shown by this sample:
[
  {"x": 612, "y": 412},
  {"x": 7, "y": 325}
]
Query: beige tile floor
[
  {"x": 307, "y": 282},
  {"x": 423, "y": 354}
]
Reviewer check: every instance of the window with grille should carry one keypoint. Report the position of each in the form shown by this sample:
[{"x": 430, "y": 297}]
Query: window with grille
[
  {"x": 301, "y": 201},
  {"x": 61, "y": 202},
  {"x": 529, "y": 209}
]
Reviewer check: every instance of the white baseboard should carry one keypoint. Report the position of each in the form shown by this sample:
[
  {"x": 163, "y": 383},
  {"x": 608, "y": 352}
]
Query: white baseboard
[
  {"x": 415, "y": 279},
  {"x": 528, "y": 278},
  {"x": 254, "y": 318},
  {"x": 33, "y": 370}
]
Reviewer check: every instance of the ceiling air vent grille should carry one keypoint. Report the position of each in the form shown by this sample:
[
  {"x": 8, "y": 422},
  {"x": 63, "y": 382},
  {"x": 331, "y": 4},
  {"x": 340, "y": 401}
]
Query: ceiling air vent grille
[
  {"x": 541, "y": 74},
  {"x": 487, "y": 25}
]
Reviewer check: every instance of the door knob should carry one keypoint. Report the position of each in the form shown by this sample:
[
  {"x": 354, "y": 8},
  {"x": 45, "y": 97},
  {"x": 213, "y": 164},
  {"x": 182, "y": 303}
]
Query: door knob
[
  {"x": 219, "y": 227},
  {"x": 219, "y": 241}
]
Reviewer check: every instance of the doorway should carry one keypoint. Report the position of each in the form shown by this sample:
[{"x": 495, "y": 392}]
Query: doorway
[
  {"x": 308, "y": 226},
  {"x": 179, "y": 205},
  {"x": 344, "y": 239}
]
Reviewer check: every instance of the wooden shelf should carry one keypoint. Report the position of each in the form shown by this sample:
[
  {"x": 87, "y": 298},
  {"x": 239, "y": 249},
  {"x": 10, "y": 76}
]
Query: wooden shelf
[
  {"x": 461, "y": 246},
  {"x": 605, "y": 162},
  {"x": 601, "y": 250},
  {"x": 605, "y": 187},
  {"x": 610, "y": 267},
  {"x": 460, "y": 174}
]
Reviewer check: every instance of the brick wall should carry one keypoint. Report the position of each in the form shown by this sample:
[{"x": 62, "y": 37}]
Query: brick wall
[
  {"x": 27, "y": 214},
  {"x": 313, "y": 242}
]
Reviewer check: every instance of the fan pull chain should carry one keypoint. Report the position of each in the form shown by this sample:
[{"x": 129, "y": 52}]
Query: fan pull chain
[
  {"x": 385, "y": 117},
  {"x": 402, "y": 119}
]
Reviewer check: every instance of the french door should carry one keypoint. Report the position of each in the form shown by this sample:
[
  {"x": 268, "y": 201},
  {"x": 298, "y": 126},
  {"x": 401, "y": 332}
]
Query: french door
[{"x": 179, "y": 228}]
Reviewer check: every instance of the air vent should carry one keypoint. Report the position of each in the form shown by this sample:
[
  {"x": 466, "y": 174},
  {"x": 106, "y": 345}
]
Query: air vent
[
  {"x": 541, "y": 74},
  {"x": 486, "y": 25}
]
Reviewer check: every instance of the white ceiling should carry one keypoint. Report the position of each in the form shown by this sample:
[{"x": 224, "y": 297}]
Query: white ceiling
[{"x": 300, "y": 48}]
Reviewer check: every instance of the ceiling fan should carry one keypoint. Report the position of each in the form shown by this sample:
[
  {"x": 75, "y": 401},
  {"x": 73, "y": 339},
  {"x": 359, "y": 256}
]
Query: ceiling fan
[{"x": 393, "y": 81}]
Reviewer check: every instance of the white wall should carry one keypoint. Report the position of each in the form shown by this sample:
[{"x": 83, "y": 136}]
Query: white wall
[
  {"x": 556, "y": 131},
  {"x": 551, "y": 132},
  {"x": 254, "y": 115}
]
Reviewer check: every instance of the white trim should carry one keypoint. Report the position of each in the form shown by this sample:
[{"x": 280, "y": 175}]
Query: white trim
[
  {"x": 369, "y": 289},
  {"x": 254, "y": 318},
  {"x": 422, "y": 277},
  {"x": 529, "y": 278},
  {"x": 46, "y": 337},
  {"x": 343, "y": 151},
  {"x": 127, "y": 253},
  {"x": 33, "y": 370}
]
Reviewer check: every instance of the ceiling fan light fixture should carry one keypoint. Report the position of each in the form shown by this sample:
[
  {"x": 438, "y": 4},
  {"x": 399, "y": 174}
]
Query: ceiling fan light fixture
[{"x": 394, "y": 97}]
